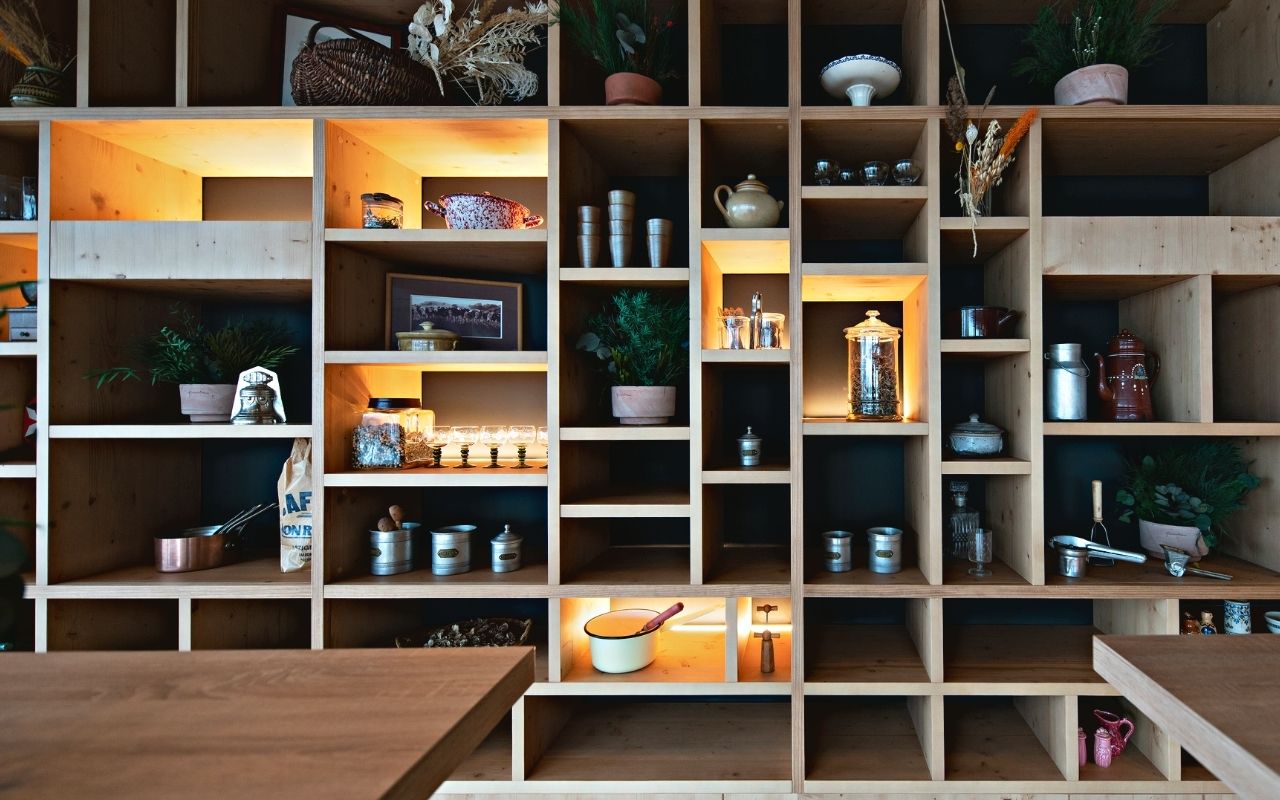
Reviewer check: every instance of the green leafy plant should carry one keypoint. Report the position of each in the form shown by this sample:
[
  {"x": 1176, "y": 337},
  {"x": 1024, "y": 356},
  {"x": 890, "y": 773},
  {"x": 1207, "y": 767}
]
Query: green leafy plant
[
  {"x": 1123, "y": 32},
  {"x": 1197, "y": 485},
  {"x": 189, "y": 352},
  {"x": 642, "y": 338},
  {"x": 621, "y": 35}
]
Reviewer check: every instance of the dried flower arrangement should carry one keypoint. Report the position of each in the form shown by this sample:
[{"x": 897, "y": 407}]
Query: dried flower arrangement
[
  {"x": 23, "y": 36},
  {"x": 983, "y": 157},
  {"x": 622, "y": 36},
  {"x": 479, "y": 51}
]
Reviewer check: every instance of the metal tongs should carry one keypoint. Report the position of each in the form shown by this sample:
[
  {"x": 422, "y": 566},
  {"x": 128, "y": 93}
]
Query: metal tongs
[
  {"x": 237, "y": 523},
  {"x": 1176, "y": 560},
  {"x": 1094, "y": 547}
]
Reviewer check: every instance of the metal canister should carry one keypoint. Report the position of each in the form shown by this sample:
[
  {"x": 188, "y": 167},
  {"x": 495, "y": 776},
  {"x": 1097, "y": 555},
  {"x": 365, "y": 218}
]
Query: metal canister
[
  {"x": 505, "y": 551},
  {"x": 837, "y": 551},
  {"x": 1064, "y": 383},
  {"x": 749, "y": 449},
  {"x": 885, "y": 545},
  {"x": 1073, "y": 562},
  {"x": 390, "y": 552},
  {"x": 451, "y": 549}
]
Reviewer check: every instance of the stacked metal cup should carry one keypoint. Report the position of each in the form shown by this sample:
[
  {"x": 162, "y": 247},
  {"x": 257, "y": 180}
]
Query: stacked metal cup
[
  {"x": 590, "y": 233},
  {"x": 622, "y": 213},
  {"x": 659, "y": 238}
]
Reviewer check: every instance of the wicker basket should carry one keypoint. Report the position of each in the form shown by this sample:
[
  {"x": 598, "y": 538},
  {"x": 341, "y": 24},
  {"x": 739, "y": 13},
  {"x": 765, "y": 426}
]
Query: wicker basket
[{"x": 358, "y": 72}]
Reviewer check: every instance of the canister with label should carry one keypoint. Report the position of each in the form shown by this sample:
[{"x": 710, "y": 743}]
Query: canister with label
[
  {"x": 451, "y": 549},
  {"x": 749, "y": 449},
  {"x": 885, "y": 545},
  {"x": 506, "y": 551},
  {"x": 837, "y": 551}
]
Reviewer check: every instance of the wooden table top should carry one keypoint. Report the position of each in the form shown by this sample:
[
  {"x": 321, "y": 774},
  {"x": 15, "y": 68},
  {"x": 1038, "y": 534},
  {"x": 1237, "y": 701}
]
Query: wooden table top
[
  {"x": 313, "y": 724},
  {"x": 1217, "y": 695}
]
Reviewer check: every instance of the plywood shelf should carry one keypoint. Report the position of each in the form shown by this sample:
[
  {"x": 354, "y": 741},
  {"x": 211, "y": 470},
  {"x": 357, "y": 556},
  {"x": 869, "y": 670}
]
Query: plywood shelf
[
  {"x": 528, "y": 581},
  {"x": 18, "y": 469},
  {"x": 765, "y": 473},
  {"x": 181, "y": 431},
  {"x": 257, "y": 578},
  {"x": 744, "y": 235},
  {"x": 1003, "y": 465},
  {"x": 956, "y": 573},
  {"x": 984, "y": 348},
  {"x": 994, "y": 234},
  {"x": 750, "y": 569},
  {"x": 835, "y": 426},
  {"x": 445, "y": 477},
  {"x": 450, "y": 361},
  {"x": 636, "y": 571},
  {"x": 623, "y": 276},
  {"x": 647, "y": 503},
  {"x": 1150, "y": 580},
  {"x": 1162, "y": 429},
  {"x": 625, "y": 433},
  {"x": 1019, "y": 654},
  {"x": 519, "y": 252},
  {"x": 18, "y": 349},
  {"x": 18, "y": 227},
  {"x": 861, "y": 654},
  {"x": 862, "y": 582},
  {"x": 852, "y": 212},
  {"x": 870, "y": 740},
  {"x": 989, "y": 741},
  {"x": 722, "y": 356}
]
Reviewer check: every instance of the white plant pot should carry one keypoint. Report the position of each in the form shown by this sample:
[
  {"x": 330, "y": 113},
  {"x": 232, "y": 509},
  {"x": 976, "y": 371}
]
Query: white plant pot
[
  {"x": 643, "y": 405},
  {"x": 1185, "y": 537},
  {"x": 207, "y": 402},
  {"x": 1095, "y": 85}
]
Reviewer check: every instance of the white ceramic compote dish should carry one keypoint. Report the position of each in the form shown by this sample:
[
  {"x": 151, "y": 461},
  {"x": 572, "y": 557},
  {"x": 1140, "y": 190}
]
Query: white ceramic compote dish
[{"x": 861, "y": 77}]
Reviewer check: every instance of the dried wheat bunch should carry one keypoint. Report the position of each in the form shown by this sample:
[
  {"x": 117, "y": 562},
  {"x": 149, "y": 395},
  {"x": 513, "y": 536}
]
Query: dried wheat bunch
[
  {"x": 480, "y": 51},
  {"x": 22, "y": 36}
]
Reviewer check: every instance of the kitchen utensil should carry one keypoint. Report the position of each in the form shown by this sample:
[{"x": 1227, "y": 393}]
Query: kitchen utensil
[
  {"x": 618, "y": 642},
  {"x": 771, "y": 324},
  {"x": 657, "y": 621},
  {"x": 885, "y": 546},
  {"x": 391, "y": 552},
  {"x": 766, "y": 650},
  {"x": 837, "y": 551},
  {"x": 874, "y": 173},
  {"x": 1237, "y": 617},
  {"x": 1126, "y": 378},
  {"x": 1116, "y": 553},
  {"x": 620, "y": 249},
  {"x": 875, "y": 385},
  {"x": 749, "y": 449},
  {"x": 658, "y": 238},
  {"x": 1064, "y": 383},
  {"x": 1176, "y": 560},
  {"x": 621, "y": 213},
  {"x": 622, "y": 197},
  {"x": 451, "y": 549},
  {"x": 981, "y": 549},
  {"x": 1098, "y": 533},
  {"x": 467, "y": 211},
  {"x": 906, "y": 172},
  {"x": 195, "y": 549},
  {"x": 505, "y": 551},
  {"x": 240, "y": 520},
  {"x": 590, "y": 214},
  {"x": 1073, "y": 562},
  {"x": 1120, "y": 728},
  {"x": 981, "y": 322},
  {"x": 825, "y": 171},
  {"x": 748, "y": 204},
  {"x": 757, "y": 310},
  {"x": 589, "y": 250},
  {"x": 428, "y": 339},
  {"x": 976, "y": 439},
  {"x": 861, "y": 77}
]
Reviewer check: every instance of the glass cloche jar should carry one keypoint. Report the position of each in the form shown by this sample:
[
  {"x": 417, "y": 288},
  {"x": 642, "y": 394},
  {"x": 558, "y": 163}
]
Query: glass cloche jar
[
  {"x": 394, "y": 433},
  {"x": 875, "y": 385}
]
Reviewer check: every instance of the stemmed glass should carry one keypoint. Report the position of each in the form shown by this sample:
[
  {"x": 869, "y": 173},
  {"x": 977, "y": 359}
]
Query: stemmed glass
[
  {"x": 522, "y": 436},
  {"x": 466, "y": 437},
  {"x": 493, "y": 437},
  {"x": 980, "y": 552},
  {"x": 440, "y": 438},
  {"x": 545, "y": 441}
]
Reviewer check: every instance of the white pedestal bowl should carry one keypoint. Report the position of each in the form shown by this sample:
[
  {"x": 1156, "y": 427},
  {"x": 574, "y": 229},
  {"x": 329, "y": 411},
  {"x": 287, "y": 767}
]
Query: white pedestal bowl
[{"x": 861, "y": 77}]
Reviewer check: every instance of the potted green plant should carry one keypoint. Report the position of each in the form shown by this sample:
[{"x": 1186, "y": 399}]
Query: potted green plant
[
  {"x": 1183, "y": 496},
  {"x": 643, "y": 341},
  {"x": 632, "y": 45},
  {"x": 205, "y": 362},
  {"x": 1085, "y": 53}
]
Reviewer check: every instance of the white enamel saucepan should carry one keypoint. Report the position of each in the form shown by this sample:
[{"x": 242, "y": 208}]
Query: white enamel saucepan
[{"x": 626, "y": 640}]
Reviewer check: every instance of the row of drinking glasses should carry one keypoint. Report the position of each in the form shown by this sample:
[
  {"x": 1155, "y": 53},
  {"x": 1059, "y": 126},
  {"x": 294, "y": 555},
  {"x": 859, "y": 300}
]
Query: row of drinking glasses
[{"x": 492, "y": 437}]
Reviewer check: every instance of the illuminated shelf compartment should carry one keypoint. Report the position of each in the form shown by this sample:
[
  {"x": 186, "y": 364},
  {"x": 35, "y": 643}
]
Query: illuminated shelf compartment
[
  {"x": 447, "y": 476},
  {"x": 667, "y": 276},
  {"x": 258, "y": 578},
  {"x": 180, "y": 431},
  {"x": 444, "y": 361},
  {"x": 523, "y": 251}
]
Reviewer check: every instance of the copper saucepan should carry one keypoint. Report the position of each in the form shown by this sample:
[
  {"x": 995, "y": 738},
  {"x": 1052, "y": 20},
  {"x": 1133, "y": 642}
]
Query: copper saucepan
[{"x": 204, "y": 547}]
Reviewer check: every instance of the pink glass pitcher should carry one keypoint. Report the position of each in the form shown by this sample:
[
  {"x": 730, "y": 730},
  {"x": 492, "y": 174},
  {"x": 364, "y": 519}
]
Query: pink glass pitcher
[{"x": 1114, "y": 724}]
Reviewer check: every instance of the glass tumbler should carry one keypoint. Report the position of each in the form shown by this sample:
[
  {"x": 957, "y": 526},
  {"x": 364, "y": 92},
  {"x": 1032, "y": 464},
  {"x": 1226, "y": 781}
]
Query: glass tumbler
[{"x": 980, "y": 552}]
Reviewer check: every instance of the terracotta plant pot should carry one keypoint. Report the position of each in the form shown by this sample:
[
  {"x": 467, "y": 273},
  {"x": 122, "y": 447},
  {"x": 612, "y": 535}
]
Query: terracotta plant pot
[
  {"x": 208, "y": 402},
  {"x": 631, "y": 89},
  {"x": 1096, "y": 85},
  {"x": 1186, "y": 537},
  {"x": 643, "y": 405}
]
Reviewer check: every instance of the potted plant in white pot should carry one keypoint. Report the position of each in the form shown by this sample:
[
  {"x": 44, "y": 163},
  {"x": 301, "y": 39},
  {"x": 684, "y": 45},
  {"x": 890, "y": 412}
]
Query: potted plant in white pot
[
  {"x": 205, "y": 362},
  {"x": 643, "y": 340},
  {"x": 632, "y": 45},
  {"x": 1086, "y": 53},
  {"x": 1183, "y": 496}
]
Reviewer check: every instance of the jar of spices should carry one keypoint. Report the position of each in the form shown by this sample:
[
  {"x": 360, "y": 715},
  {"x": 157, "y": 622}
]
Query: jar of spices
[
  {"x": 380, "y": 210},
  {"x": 394, "y": 433},
  {"x": 875, "y": 387}
]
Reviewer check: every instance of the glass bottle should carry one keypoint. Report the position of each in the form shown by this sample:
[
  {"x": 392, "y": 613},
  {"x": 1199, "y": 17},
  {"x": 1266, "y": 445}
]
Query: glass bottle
[
  {"x": 875, "y": 387},
  {"x": 962, "y": 521}
]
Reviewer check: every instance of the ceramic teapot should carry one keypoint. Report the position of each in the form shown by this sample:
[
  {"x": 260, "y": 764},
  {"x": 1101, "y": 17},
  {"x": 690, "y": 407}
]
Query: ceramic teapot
[
  {"x": 1126, "y": 376},
  {"x": 748, "y": 205}
]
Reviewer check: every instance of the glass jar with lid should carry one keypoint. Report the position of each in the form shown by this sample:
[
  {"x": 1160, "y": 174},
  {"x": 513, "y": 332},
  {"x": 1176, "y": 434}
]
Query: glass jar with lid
[
  {"x": 875, "y": 385},
  {"x": 393, "y": 433},
  {"x": 380, "y": 210}
]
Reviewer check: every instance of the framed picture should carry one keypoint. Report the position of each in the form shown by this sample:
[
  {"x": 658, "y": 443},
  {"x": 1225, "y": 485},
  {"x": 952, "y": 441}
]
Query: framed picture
[
  {"x": 486, "y": 315},
  {"x": 295, "y": 23}
]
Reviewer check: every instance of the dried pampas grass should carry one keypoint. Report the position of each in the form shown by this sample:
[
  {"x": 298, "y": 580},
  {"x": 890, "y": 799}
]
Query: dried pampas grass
[
  {"x": 480, "y": 51},
  {"x": 23, "y": 37}
]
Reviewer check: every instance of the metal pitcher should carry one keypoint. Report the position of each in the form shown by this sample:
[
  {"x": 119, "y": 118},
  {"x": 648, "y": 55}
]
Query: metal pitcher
[{"x": 1065, "y": 397}]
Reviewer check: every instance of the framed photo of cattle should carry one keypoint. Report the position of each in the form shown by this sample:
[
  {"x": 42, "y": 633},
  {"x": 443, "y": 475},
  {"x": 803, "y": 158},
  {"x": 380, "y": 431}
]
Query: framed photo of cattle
[{"x": 486, "y": 315}]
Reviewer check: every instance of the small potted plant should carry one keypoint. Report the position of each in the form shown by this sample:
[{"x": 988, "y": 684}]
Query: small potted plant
[
  {"x": 632, "y": 45},
  {"x": 1183, "y": 496},
  {"x": 643, "y": 340},
  {"x": 205, "y": 362},
  {"x": 1086, "y": 54}
]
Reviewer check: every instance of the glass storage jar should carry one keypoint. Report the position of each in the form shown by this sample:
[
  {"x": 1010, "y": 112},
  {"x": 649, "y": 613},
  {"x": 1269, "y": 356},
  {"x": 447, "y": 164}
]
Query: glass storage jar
[
  {"x": 394, "y": 433},
  {"x": 380, "y": 210},
  {"x": 875, "y": 386}
]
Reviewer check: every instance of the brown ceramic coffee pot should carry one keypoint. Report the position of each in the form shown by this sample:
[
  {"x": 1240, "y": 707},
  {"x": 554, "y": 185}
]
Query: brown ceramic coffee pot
[{"x": 1126, "y": 377}]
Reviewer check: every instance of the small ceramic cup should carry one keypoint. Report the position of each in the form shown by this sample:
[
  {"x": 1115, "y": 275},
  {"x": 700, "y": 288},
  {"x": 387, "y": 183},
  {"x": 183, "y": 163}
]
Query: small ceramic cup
[{"x": 1273, "y": 621}]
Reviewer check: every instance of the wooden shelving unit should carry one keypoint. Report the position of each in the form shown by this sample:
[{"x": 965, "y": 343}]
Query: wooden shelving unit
[{"x": 178, "y": 176}]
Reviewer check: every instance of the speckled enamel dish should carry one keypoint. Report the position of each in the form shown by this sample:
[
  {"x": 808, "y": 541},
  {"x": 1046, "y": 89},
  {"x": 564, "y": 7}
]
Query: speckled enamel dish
[{"x": 861, "y": 77}]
